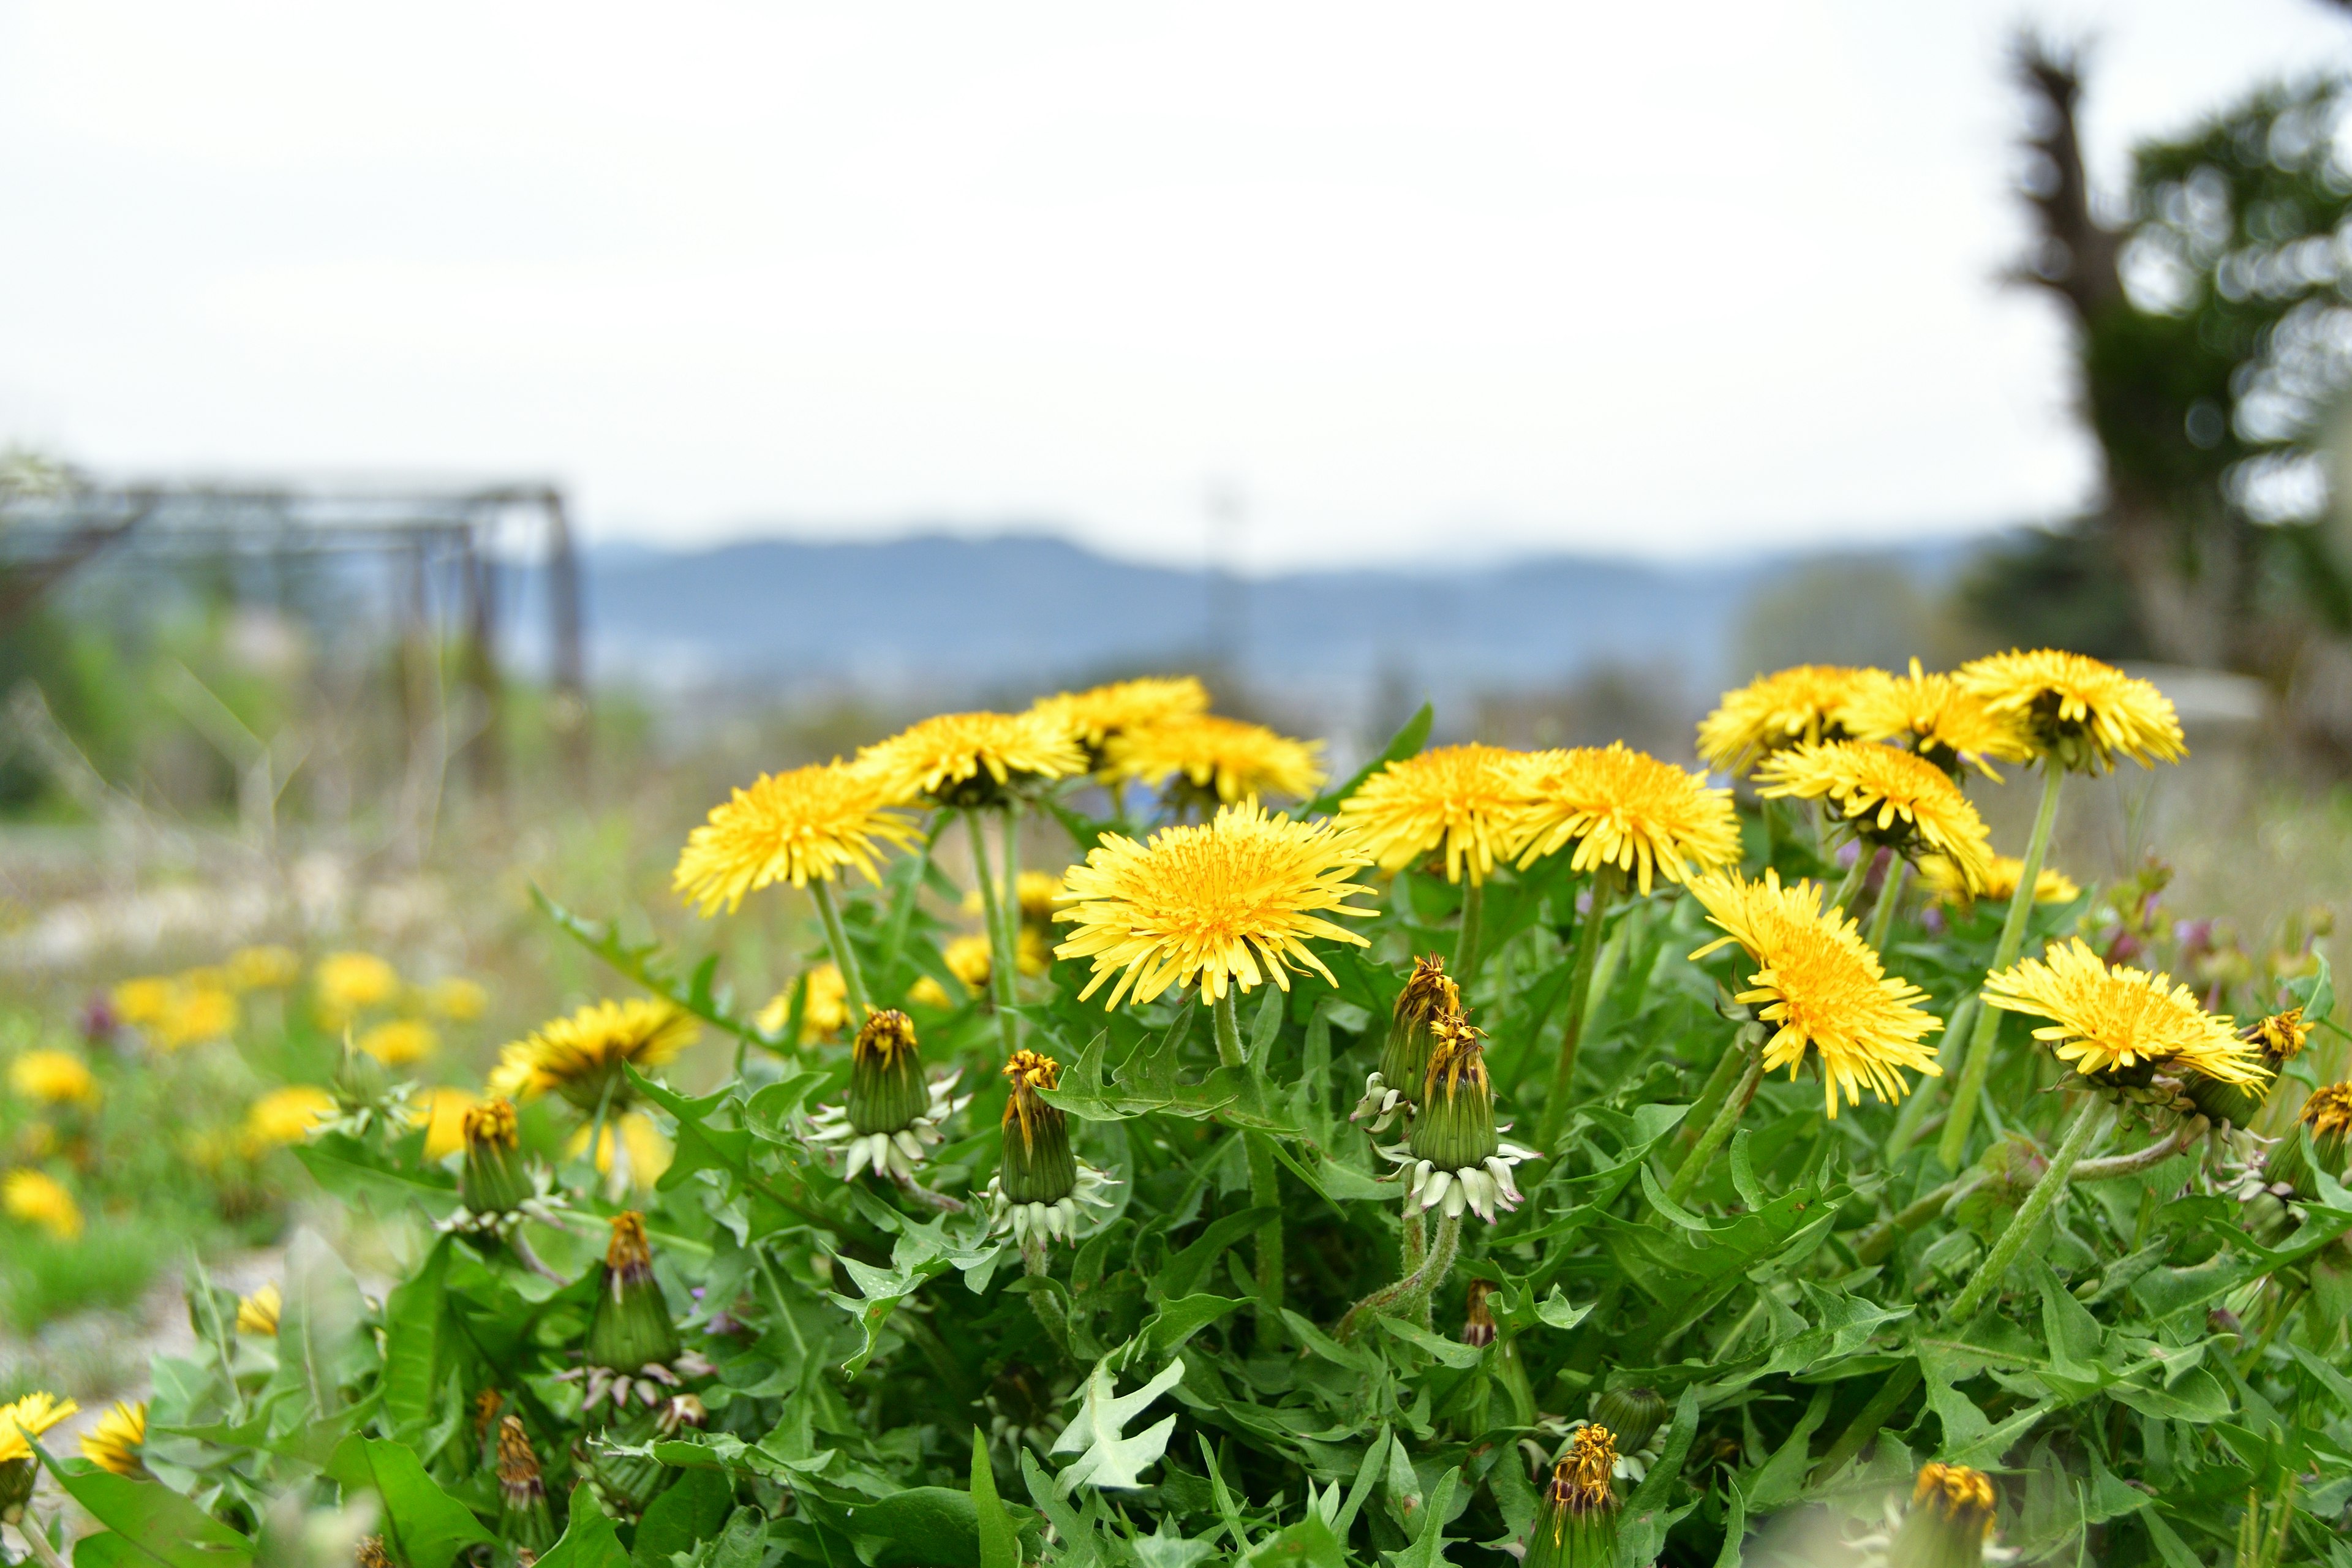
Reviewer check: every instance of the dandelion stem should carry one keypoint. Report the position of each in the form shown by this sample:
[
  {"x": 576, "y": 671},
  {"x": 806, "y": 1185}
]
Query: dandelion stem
[
  {"x": 836, "y": 937},
  {"x": 1735, "y": 1106},
  {"x": 1036, "y": 1263},
  {"x": 596, "y": 1128},
  {"x": 1410, "y": 1294},
  {"x": 1913, "y": 1122},
  {"x": 1954, "y": 1146},
  {"x": 1865, "y": 855},
  {"x": 1000, "y": 958},
  {"x": 1465, "y": 947},
  {"x": 1416, "y": 1239},
  {"x": 38, "y": 1539},
  {"x": 1266, "y": 1181},
  {"x": 1726, "y": 1072},
  {"x": 1890, "y": 894},
  {"x": 2087, "y": 1125},
  {"x": 1009, "y": 893},
  {"x": 1580, "y": 1005}
]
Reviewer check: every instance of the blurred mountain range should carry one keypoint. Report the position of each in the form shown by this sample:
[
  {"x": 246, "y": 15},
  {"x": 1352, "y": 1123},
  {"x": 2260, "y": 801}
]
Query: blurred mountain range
[{"x": 946, "y": 617}]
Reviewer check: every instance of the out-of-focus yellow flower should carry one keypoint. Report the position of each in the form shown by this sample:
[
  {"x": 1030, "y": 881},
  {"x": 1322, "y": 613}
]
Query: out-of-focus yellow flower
[
  {"x": 1094, "y": 716},
  {"x": 804, "y": 826},
  {"x": 195, "y": 1016},
  {"x": 348, "y": 983},
  {"x": 441, "y": 1114},
  {"x": 263, "y": 968},
  {"x": 397, "y": 1042},
  {"x": 970, "y": 759},
  {"x": 115, "y": 1443},
  {"x": 1465, "y": 799},
  {"x": 927, "y": 991},
  {"x": 822, "y": 1016},
  {"x": 27, "y": 1418},
  {"x": 457, "y": 999},
  {"x": 641, "y": 1144},
  {"x": 207, "y": 977},
  {"x": 34, "y": 1197},
  {"x": 1804, "y": 703},
  {"x": 969, "y": 959},
  {"x": 2076, "y": 711},
  {"x": 286, "y": 1116},
  {"x": 1222, "y": 758},
  {"x": 53, "y": 1077},
  {"x": 142, "y": 1001},
  {"x": 1944, "y": 881},
  {"x": 579, "y": 1057},
  {"x": 257, "y": 1313},
  {"x": 1037, "y": 891}
]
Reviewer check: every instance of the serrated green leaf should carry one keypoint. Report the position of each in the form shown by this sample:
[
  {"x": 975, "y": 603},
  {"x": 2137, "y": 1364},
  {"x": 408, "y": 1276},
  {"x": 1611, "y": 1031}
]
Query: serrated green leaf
[
  {"x": 589, "y": 1540},
  {"x": 155, "y": 1524}
]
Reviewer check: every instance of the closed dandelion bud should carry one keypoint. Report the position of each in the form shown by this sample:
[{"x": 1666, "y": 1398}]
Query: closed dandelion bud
[
  {"x": 361, "y": 1079},
  {"x": 492, "y": 1180},
  {"x": 1454, "y": 1126},
  {"x": 1948, "y": 1522},
  {"x": 2316, "y": 1142},
  {"x": 887, "y": 1091},
  {"x": 1576, "y": 1523},
  {"x": 1477, "y": 1322},
  {"x": 524, "y": 1521},
  {"x": 1429, "y": 995},
  {"x": 1632, "y": 1414},
  {"x": 631, "y": 1326},
  {"x": 1037, "y": 1167}
]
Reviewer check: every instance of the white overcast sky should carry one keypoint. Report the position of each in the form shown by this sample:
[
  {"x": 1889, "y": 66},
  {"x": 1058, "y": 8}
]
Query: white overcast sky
[{"x": 1414, "y": 281}]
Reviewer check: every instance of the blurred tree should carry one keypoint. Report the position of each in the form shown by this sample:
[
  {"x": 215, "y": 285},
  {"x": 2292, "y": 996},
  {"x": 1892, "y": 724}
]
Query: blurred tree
[{"x": 2214, "y": 334}]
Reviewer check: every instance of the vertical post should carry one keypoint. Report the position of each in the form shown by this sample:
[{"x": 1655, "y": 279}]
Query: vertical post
[
  {"x": 477, "y": 577},
  {"x": 567, "y": 641}
]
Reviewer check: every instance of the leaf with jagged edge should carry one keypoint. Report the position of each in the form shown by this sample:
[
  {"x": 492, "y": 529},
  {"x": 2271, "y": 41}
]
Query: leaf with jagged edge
[{"x": 1107, "y": 1457}]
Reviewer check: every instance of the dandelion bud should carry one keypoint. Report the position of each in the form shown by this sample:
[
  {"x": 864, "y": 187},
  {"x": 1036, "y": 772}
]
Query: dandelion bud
[
  {"x": 1477, "y": 1322},
  {"x": 1429, "y": 995},
  {"x": 1455, "y": 1128},
  {"x": 2316, "y": 1142},
  {"x": 1036, "y": 1166},
  {"x": 631, "y": 1326},
  {"x": 371, "y": 1554},
  {"x": 1576, "y": 1523},
  {"x": 492, "y": 1180},
  {"x": 361, "y": 1080},
  {"x": 887, "y": 1091},
  {"x": 1948, "y": 1522},
  {"x": 1632, "y": 1414},
  {"x": 524, "y": 1521},
  {"x": 2280, "y": 1039}
]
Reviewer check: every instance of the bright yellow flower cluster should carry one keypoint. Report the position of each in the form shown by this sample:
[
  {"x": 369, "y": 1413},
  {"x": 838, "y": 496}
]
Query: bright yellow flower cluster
[
  {"x": 807, "y": 825},
  {"x": 2076, "y": 711}
]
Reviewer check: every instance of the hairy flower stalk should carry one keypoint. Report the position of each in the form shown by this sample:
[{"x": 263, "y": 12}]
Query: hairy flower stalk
[
  {"x": 1575, "y": 1521},
  {"x": 892, "y": 1113},
  {"x": 524, "y": 1521},
  {"x": 1004, "y": 938},
  {"x": 1601, "y": 893},
  {"x": 1949, "y": 1521}
]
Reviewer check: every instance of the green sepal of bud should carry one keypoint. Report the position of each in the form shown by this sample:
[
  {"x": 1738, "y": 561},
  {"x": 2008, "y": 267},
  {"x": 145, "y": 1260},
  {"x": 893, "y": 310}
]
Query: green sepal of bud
[
  {"x": 1633, "y": 1413},
  {"x": 1577, "y": 1517},
  {"x": 360, "y": 1079},
  {"x": 631, "y": 1326},
  {"x": 1036, "y": 1165},
  {"x": 887, "y": 1091},
  {"x": 2232, "y": 1102},
  {"x": 17, "y": 1478},
  {"x": 524, "y": 1519},
  {"x": 1454, "y": 1126},
  {"x": 492, "y": 1178},
  {"x": 1567, "y": 1539},
  {"x": 1430, "y": 994}
]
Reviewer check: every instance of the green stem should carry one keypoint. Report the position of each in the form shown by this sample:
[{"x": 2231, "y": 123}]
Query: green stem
[
  {"x": 1010, "y": 894},
  {"x": 1036, "y": 1262},
  {"x": 1580, "y": 1006},
  {"x": 596, "y": 1128},
  {"x": 1890, "y": 894},
  {"x": 1265, "y": 1179},
  {"x": 1892, "y": 1392},
  {"x": 1728, "y": 1067},
  {"x": 1409, "y": 1295},
  {"x": 1954, "y": 1145},
  {"x": 836, "y": 937},
  {"x": 902, "y": 903},
  {"x": 1995, "y": 1268},
  {"x": 1719, "y": 1132},
  {"x": 1000, "y": 965},
  {"x": 1865, "y": 854},
  {"x": 1466, "y": 948},
  {"x": 38, "y": 1539},
  {"x": 1910, "y": 1122},
  {"x": 1416, "y": 1240},
  {"x": 2290, "y": 1297}
]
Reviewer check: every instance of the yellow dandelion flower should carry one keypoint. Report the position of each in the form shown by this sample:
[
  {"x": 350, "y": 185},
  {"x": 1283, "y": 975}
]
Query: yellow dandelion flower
[
  {"x": 640, "y": 1143},
  {"x": 33, "y": 1197},
  {"x": 1892, "y": 797},
  {"x": 286, "y": 1116},
  {"x": 1467, "y": 798},
  {"x": 144, "y": 1001},
  {"x": 1033, "y": 951},
  {"x": 268, "y": 968},
  {"x": 441, "y": 1114},
  {"x": 26, "y": 1419},
  {"x": 579, "y": 1057},
  {"x": 970, "y": 759},
  {"x": 398, "y": 1042},
  {"x": 1094, "y": 716},
  {"x": 800, "y": 826},
  {"x": 1943, "y": 723},
  {"x": 1821, "y": 985},
  {"x": 195, "y": 1016},
  {"x": 53, "y": 1077},
  {"x": 2105, "y": 1018},
  {"x": 347, "y": 984},
  {"x": 1037, "y": 891},
  {"x": 1232, "y": 900},
  {"x": 2328, "y": 1109},
  {"x": 2280, "y": 1036},
  {"x": 257, "y": 1313},
  {"x": 457, "y": 999},
  {"x": 1804, "y": 703},
  {"x": 822, "y": 1016},
  {"x": 2076, "y": 711},
  {"x": 1623, "y": 808},
  {"x": 927, "y": 991},
  {"x": 970, "y": 960},
  {"x": 115, "y": 1443},
  {"x": 1224, "y": 758},
  {"x": 1944, "y": 882}
]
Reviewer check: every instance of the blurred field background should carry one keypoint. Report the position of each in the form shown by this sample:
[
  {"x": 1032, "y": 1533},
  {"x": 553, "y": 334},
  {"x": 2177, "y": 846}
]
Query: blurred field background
[{"x": 254, "y": 736}]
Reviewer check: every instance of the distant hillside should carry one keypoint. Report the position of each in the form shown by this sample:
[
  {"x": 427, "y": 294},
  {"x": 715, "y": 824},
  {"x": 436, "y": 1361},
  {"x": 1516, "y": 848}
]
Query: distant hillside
[{"x": 957, "y": 616}]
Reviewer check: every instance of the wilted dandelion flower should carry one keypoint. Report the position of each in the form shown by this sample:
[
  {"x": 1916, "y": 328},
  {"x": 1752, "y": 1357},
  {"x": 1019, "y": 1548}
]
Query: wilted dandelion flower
[
  {"x": 1804, "y": 703},
  {"x": 1232, "y": 901},
  {"x": 457, "y": 999},
  {"x": 1094, "y": 717},
  {"x": 2280, "y": 1036},
  {"x": 268, "y": 968},
  {"x": 2104, "y": 1018},
  {"x": 893, "y": 1111},
  {"x": 1945, "y": 723},
  {"x": 285, "y": 1116},
  {"x": 53, "y": 1077},
  {"x": 579, "y": 1057},
  {"x": 1821, "y": 986},
  {"x": 348, "y": 983},
  {"x": 1221, "y": 759},
  {"x": 2076, "y": 711},
  {"x": 1949, "y": 1521},
  {"x": 1627, "y": 809},
  {"x": 972, "y": 759},
  {"x": 1889, "y": 797},
  {"x": 1944, "y": 882},
  {"x": 398, "y": 1042},
  {"x": 115, "y": 1444},
  {"x": 37, "y": 1198},
  {"x": 803, "y": 826},
  {"x": 442, "y": 1112},
  {"x": 257, "y": 1313},
  {"x": 1392, "y": 1089},
  {"x": 1466, "y": 799}
]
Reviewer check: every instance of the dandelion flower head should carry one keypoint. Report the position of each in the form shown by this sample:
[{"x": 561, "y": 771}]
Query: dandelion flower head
[
  {"x": 971, "y": 759},
  {"x": 1222, "y": 758},
  {"x": 348, "y": 983},
  {"x": 1892, "y": 797},
  {"x": 2103, "y": 1018},
  {"x": 1804, "y": 703},
  {"x": 27, "y": 1418},
  {"x": 442, "y": 1112},
  {"x": 1821, "y": 985},
  {"x": 400, "y": 1042},
  {"x": 53, "y": 1077},
  {"x": 1945, "y": 723},
  {"x": 1232, "y": 901},
  {"x": 1944, "y": 882},
  {"x": 1466, "y": 799},
  {"x": 114, "y": 1443},
  {"x": 2076, "y": 711},
  {"x": 37, "y": 1198},
  {"x": 1624, "y": 808},
  {"x": 257, "y": 1313},
  {"x": 802, "y": 826},
  {"x": 285, "y": 1116},
  {"x": 1093, "y": 717},
  {"x": 579, "y": 1057}
]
